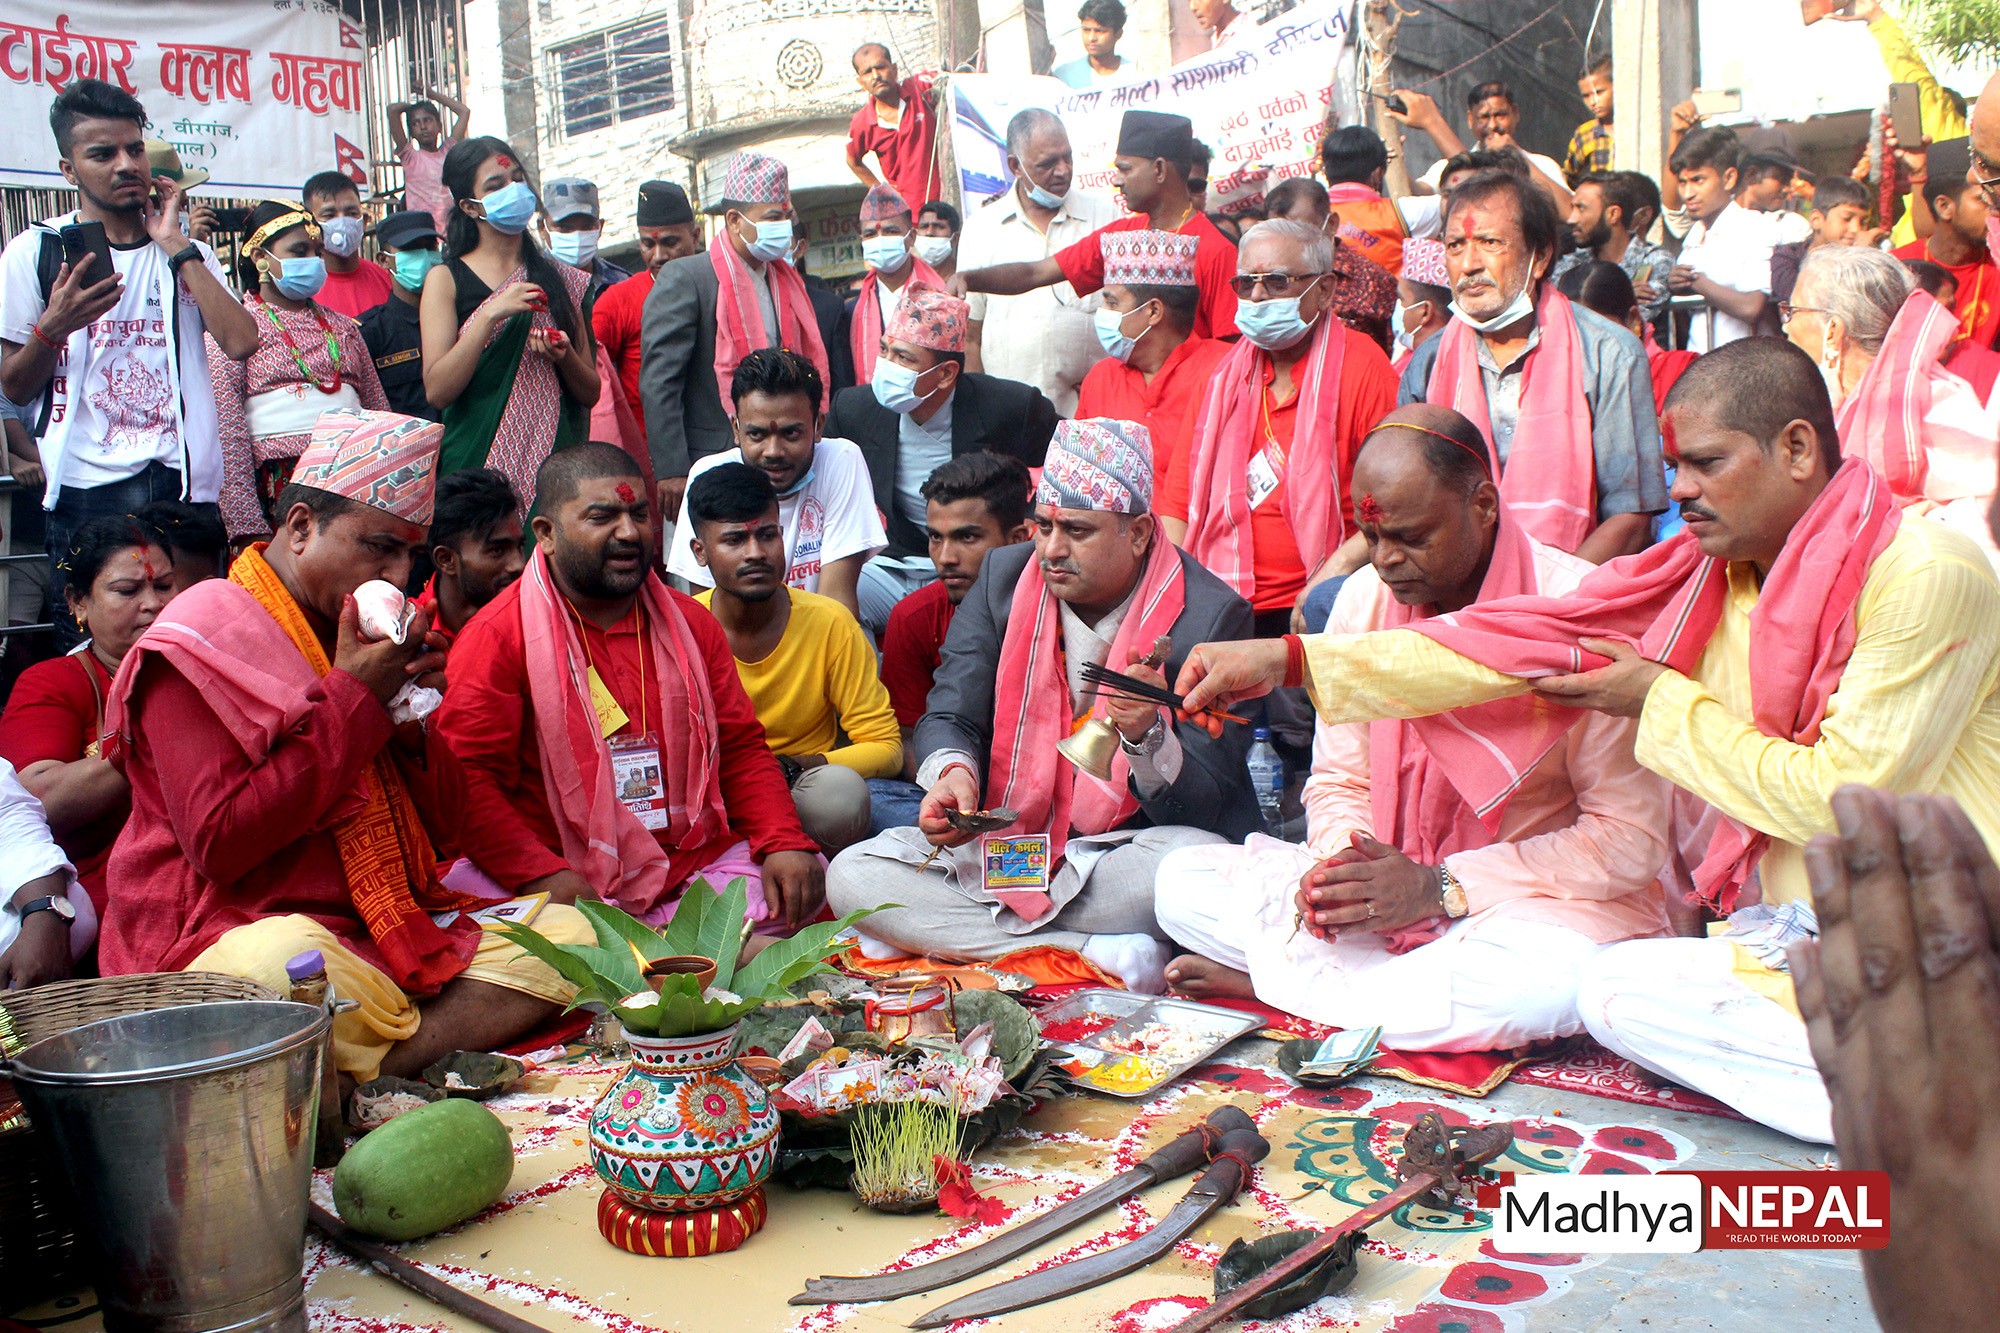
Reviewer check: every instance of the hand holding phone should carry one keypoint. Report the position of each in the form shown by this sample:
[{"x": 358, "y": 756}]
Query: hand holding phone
[
  {"x": 87, "y": 286},
  {"x": 1906, "y": 113}
]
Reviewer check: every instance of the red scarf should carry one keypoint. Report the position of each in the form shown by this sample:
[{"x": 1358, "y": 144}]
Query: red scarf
[
  {"x": 1666, "y": 601},
  {"x": 1550, "y": 479},
  {"x": 1031, "y": 713},
  {"x": 1882, "y": 421},
  {"x": 864, "y": 330},
  {"x": 1232, "y": 427},
  {"x": 739, "y": 324}
]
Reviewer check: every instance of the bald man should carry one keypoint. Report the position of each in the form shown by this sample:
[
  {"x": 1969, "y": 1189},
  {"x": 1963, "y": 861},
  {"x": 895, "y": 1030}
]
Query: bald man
[{"x": 1403, "y": 910}]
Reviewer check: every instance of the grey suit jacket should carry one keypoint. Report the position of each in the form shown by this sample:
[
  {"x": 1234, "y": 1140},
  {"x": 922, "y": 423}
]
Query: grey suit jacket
[
  {"x": 684, "y": 415},
  {"x": 1213, "y": 789}
]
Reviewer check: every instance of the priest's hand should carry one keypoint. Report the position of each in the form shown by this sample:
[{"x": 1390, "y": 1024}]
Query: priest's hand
[
  {"x": 794, "y": 887},
  {"x": 1619, "y": 689},
  {"x": 1901, "y": 999},
  {"x": 564, "y": 886},
  {"x": 1216, "y": 675},
  {"x": 1373, "y": 887},
  {"x": 955, "y": 789},
  {"x": 383, "y": 665}
]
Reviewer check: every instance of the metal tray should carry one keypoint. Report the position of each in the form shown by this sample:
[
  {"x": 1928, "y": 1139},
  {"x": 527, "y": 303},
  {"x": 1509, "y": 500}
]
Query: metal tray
[{"x": 1112, "y": 1016}]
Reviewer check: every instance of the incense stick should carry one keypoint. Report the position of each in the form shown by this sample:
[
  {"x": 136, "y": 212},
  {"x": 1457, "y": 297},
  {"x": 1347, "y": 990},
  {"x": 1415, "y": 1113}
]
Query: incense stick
[{"x": 1131, "y": 687}]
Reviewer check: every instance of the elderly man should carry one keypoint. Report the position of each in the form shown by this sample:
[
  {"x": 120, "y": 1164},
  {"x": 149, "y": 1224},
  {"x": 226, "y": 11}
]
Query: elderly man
[
  {"x": 1798, "y": 635},
  {"x": 1474, "y": 936},
  {"x": 667, "y": 231},
  {"x": 608, "y": 745},
  {"x": 709, "y": 311},
  {"x": 922, "y": 409},
  {"x": 1155, "y": 153},
  {"x": 1562, "y": 394},
  {"x": 888, "y": 236},
  {"x": 279, "y": 806},
  {"x": 1043, "y": 336},
  {"x": 1075, "y": 869},
  {"x": 1261, "y": 498}
]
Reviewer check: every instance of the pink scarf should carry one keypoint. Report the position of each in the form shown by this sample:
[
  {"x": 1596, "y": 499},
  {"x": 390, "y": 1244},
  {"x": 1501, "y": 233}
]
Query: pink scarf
[
  {"x": 739, "y": 324},
  {"x": 622, "y": 859},
  {"x": 1031, "y": 713},
  {"x": 1228, "y": 432},
  {"x": 1666, "y": 601},
  {"x": 1550, "y": 479},
  {"x": 864, "y": 330},
  {"x": 1882, "y": 421},
  {"x": 611, "y": 420}
]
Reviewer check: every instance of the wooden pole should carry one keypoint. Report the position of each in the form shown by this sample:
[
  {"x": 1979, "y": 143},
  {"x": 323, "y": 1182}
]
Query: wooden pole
[{"x": 1380, "y": 21}]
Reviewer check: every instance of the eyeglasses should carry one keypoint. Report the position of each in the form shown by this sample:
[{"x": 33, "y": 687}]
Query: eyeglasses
[
  {"x": 1988, "y": 185},
  {"x": 1278, "y": 285},
  {"x": 1786, "y": 310}
]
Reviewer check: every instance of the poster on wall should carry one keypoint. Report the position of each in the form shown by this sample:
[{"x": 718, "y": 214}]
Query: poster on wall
[
  {"x": 258, "y": 93},
  {"x": 1262, "y": 106}
]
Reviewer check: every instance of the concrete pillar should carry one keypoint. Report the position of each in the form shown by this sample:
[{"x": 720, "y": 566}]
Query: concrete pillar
[
  {"x": 1653, "y": 68},
  {"x": 517, "y": 64}
]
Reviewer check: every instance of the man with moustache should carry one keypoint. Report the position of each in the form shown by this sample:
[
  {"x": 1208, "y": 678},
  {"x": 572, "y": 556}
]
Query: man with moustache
[{"x": 667, "y": 231}]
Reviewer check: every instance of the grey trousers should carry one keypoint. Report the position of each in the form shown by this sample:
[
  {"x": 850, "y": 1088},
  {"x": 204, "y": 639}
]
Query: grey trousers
[
  {"x": 935, "y": 919},
  {"x": 833, "y": 806}
]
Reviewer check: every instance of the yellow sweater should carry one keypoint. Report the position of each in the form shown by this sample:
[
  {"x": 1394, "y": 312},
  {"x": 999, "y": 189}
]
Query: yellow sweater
[{"x": 820, "y": 682}]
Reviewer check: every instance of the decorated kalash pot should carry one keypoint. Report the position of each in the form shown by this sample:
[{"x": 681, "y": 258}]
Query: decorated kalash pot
[{"x": 684, "y": 1138}]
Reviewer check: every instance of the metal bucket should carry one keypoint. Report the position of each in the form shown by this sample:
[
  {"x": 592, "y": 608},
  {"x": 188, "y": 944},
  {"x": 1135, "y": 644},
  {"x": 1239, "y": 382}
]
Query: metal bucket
[{"x": 187, "y": 1137}]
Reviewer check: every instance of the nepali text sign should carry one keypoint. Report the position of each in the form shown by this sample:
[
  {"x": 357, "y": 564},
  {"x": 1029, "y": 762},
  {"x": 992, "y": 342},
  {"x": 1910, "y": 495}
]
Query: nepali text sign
[
  {"x": 1262, "y": 106},
  {"x": 259, "y": 93}
]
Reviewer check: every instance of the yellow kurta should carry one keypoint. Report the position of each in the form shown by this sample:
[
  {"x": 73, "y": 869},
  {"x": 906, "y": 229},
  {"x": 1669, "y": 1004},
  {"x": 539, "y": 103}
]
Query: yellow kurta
[{"x": 1917, "y": 709}]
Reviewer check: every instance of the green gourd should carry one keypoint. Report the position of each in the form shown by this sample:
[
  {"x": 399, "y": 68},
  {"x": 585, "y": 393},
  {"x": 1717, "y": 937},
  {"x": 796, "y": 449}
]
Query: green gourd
[{"x": 426, "y": 1170}]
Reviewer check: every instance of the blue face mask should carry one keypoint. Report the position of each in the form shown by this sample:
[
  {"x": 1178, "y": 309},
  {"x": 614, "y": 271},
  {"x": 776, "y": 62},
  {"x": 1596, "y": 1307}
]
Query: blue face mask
[
  {"x": 1272, "y": 325},
  {"x": 413, "y": 266},
  {"x": 884, "y": 254},
  {"x": 774, "y": 241},
  {"x": 1041, "y": 197},
  {"x": 896, "y": 386},
  {"x": 299, "y": 278},
  {"x": 510, "y": 208},
  {"x": 1111, "y": 333}
]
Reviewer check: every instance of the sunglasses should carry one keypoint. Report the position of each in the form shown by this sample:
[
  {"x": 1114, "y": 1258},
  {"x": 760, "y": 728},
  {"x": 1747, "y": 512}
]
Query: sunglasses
[{"x": 1279, "y": 285}]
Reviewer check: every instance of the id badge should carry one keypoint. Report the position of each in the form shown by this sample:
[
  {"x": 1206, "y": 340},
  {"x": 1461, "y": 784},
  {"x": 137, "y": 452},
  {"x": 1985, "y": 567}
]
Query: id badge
[
  {"x": 1016, "y": 862},
  {"x": 635, "y": 772},
  {"x": 1263, "y": 474}
]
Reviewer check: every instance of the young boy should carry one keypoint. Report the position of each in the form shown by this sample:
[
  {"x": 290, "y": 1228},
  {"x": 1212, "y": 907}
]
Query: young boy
[
  {"x": 1839, "y": 215},
  {"x": 416, "y": 133},
  {"x": 1590, "y": 147},
  {"x": 1727, "y": 258}
]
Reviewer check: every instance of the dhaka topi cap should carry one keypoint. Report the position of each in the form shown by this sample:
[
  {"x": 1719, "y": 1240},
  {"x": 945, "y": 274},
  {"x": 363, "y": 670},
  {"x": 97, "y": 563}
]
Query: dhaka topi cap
[
  {"x": 1101, "y": 464},
  {"x": 752, "y": 178},
  {"x": 927, "y": 317},
  {"x": 566, "y": 196},
  {"x": 1147, "y": 258},
  {"x": 383, "y": 459},
  {"x": 1423, "y": 261},
  {"x": 663, "y": 204},
  {"x": 882, "y": 202},
  {"x": 1157, "y": 134},
  {"x": 400, "y": 230}
]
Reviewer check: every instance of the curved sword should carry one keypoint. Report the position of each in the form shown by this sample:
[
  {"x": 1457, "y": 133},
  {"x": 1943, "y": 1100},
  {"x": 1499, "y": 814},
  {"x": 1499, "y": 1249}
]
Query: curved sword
[
  {"x": 1177, "y": 1158},
  {"x": 1214, "y": 1188}
]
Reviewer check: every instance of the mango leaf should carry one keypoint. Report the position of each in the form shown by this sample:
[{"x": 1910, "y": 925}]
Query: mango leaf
[
  {"x": 569, "y": 965},
  {"x": 684, "y": 929},
  {"x": 613, "y": 924},
  {"x": 645, "y": 1019},
  {"x": 722, "y": 932},
  {"x": 785, "y": 961}
]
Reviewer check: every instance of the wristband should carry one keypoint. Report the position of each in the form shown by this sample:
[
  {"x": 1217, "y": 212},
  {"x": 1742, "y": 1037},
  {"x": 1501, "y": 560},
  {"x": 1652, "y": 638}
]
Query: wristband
[
  {"x": 1295, "y": 661},
  {"x": 186, "y": 255},
  {"x": 45, "y": 340}
]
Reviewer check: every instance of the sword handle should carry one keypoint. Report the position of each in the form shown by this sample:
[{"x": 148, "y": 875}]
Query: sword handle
[
  {"x": 1241, "y": 1149},
  {"x": 1183, "y": 1154}
]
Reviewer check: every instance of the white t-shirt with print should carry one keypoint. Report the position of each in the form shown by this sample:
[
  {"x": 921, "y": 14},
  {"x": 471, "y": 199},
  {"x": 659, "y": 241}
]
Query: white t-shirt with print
[{"x": 829, "y": 518}]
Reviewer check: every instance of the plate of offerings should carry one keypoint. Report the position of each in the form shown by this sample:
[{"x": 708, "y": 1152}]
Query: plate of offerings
[{"x": 1126, "y": 1045}]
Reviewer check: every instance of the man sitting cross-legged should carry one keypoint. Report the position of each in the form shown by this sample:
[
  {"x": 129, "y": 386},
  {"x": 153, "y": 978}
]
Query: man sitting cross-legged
[
  {"x": 276, "y": 806},
  {"x": 607, "y": 742},
  {"x": 1098, "y": 584},
  {"x": 1418, "y": 917}
]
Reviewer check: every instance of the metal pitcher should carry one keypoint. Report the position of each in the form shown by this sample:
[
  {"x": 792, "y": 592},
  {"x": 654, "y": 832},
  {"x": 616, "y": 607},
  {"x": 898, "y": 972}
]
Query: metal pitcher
[{"x": 187, "y": 1137}]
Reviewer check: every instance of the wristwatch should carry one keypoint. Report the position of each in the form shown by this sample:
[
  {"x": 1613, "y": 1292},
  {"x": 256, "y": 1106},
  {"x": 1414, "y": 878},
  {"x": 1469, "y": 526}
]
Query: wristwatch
[
  {"x": 1452, "y": 892},
  {"x": 191, "y": 253},
  {"x": 64, "y": 909},
  {"x": 1150, "y": 740}
]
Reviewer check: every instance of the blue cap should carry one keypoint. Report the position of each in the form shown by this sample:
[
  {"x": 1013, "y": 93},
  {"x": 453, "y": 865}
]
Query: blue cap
[
  {"x": 1261, "y": 734},
  {"x": 305, "y": 965}
]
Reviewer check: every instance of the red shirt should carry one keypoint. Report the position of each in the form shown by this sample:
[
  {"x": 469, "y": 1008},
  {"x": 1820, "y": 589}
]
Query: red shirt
[
  {"x": 1978, "y": 299},
  {"x": 1214, "y": 267},
  {"x": 912, "y": 647},
  {"x": 53, "y": 714},
  {"x": 1977, "y": 366},
  {"x": 1665, "y": 368},
  {"x": 488, "y": 716},
  {"x": 352, "y": 294},
  {"x": 908, "y": 152},
  {"x": 1167, "y": 407},
  {"x": 616, "y": 320},
  {"x": 1367, "y": 394}
]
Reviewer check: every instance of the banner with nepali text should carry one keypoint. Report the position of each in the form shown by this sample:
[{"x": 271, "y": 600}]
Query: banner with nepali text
[
  {"x": 1262, "y": 105},
  {"x": 258, "y": 93}
]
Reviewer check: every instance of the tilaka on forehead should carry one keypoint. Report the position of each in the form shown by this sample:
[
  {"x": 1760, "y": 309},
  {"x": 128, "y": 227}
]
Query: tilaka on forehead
[
  {"x": 626, "y": 493},
  {"x": 1367, "y": 510},
  {"x": 504, "y": 160}
]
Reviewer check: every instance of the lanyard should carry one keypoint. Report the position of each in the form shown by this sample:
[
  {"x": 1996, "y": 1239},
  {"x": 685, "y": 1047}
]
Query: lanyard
[{"x": 583, "y": 637}]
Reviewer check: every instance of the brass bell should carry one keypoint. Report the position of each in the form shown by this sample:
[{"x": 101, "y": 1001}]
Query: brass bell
[{"x": 1090, "y": 748}]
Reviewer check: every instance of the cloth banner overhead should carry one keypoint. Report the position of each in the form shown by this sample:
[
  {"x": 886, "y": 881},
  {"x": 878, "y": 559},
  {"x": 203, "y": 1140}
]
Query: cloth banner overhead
[
  {"x": 260, "y": 93},
  {"x": 1262, "y": 106}
]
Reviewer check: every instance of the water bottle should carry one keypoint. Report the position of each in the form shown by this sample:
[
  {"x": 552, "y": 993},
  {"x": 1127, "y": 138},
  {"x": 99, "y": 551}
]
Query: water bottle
[{"x": 1267, "y": 779}]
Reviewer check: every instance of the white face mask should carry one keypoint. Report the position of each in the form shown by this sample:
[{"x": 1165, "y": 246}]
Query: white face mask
[
  {"x": 934, "y": 250},
  {"x": 1829, "y": 369},
  {"x": 885, "y": 254},
  {"x": 1405, "y": 339},
  {"x": 896, "y": 386},
  {"x": 575, "y": 248},
  {"x": 341, "y": 237},
  {"x": 1521, "y": 306}
]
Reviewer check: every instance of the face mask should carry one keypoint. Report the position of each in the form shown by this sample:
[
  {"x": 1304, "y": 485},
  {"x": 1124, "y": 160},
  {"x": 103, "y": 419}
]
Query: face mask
[
  {"x": 885, "y": 254},
  {"x": 299, "y": 278},
  {"x": 1404, "y": 337},
  {"x": 1829, "y": 369},
  {"x": 1042, "y": 198},
  {"x": 1521, "y": 306},
  {"x": 802, "y": 482},
  {"x": 896, "y": 386},
  {"x": 413, "y": 266},
  {"x": 510, "y": 208},
  {"x": 934, "y": 250},
  {"x": 774, "y": 241},
  {"x": 341, "y": 236},
  {"x": 575, "y": 248},
  {"x": 1272, "y": 325},
  {"x": 1111, "y": 333}
]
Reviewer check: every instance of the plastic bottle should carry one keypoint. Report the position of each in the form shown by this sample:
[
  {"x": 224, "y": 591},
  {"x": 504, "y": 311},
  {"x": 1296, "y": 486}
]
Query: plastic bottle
[
  {"x": 307, "y": 973},
  {"x": 1267, "y": 780}
]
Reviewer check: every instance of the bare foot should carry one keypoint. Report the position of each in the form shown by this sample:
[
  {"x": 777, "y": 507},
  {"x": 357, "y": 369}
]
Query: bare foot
[{"x": 1199, "y": 977}]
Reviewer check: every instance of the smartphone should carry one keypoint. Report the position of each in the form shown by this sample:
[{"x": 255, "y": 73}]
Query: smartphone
[
  {"x": 1906, "y": 114},
  {"x": 1716, "y": 101},
  {"x": 1393, "y": 102},
  {"x": 87, "y": 238}
]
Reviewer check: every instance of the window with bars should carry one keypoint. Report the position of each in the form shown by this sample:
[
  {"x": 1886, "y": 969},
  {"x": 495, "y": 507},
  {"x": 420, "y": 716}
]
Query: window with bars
[{"x": 611, "y": 77}]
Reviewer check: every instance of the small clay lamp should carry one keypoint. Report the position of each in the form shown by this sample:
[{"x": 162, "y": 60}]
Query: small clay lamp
[{"x": 688, "y": 964}]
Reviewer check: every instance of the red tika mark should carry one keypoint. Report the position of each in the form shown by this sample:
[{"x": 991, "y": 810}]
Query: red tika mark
[
  {"x": 626, "y": 493},
  {"x": 1367, "y": 510},
  {"x": 504, "y": 160}
]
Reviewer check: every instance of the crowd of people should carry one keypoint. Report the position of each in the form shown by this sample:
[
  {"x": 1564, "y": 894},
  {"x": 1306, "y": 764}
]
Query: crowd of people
[{"x": 1574, "y": 535}]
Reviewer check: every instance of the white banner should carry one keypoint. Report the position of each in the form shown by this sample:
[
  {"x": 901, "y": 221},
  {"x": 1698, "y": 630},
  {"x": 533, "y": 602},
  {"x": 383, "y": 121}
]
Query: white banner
[
  {"x": 1262, "y": 106},
  {"x": 260, "y": 93}
]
